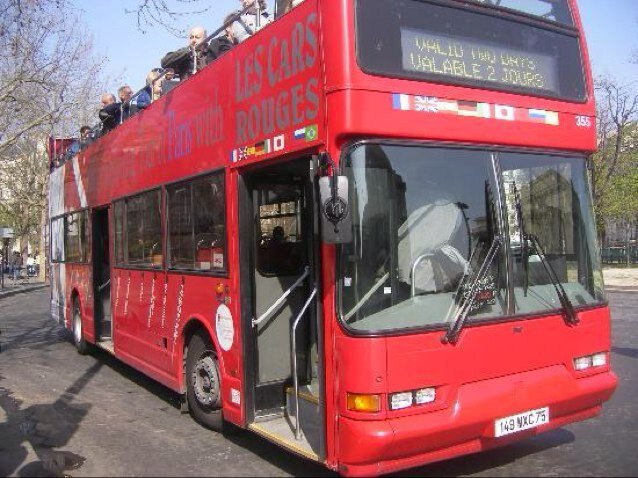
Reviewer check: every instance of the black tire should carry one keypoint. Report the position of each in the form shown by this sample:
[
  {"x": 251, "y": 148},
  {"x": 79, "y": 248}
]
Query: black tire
[
  {"x": 203, "y": 383},
  {"x": 81, "y": 345}
]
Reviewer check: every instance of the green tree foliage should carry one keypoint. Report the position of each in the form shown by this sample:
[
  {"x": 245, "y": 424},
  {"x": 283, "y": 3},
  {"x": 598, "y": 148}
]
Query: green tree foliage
[{"x": 614, "y": 168}]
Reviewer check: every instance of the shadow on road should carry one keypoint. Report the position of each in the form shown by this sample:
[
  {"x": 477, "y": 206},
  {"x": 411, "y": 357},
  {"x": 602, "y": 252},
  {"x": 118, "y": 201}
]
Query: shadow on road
[
  {"x": 480, "y": 462},
  {"x": 266, "y": 450},
  {"x": 626, "y": 351},
  {"x": 42, "y": 428}
]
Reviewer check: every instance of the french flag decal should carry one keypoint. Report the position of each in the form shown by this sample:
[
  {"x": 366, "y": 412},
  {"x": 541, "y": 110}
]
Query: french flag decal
[{"x": 401, "y": 102}]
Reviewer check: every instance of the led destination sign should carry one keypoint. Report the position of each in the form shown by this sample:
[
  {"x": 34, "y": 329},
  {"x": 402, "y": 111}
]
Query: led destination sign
[{"x": 460, "y": 59}]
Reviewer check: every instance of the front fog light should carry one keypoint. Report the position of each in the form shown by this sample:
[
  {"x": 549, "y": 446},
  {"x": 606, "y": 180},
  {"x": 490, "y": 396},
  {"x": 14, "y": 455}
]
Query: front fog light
[
  {"x": 425, "y": 395},
  {"x": 598, "y": 360},
  {"x": 400, "y": 400},
  {"x": 582, "y": 363}
]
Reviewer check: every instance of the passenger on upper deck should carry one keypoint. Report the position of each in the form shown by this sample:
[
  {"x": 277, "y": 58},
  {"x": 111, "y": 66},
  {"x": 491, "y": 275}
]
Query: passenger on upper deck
[
  {"x": 153, "y": 89},
  {"x": 110, "y": 113},
  {"x": 247, "y": 24},
  {"x": 86, "y": 136},
  {"x": 125, "y": 93},
  {"x": 189, "y": 60},
  {"x": 290, "y": 4},
  {"x": 221, "y": 44}
]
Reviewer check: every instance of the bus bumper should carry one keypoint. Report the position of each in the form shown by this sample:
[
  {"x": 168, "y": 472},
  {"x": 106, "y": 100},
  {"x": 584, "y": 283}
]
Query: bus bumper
[{"x": 373, "y": 447}]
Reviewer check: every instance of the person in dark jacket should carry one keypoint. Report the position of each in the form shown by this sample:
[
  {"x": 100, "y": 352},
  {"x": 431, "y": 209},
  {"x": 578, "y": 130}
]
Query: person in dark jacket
[
  {"x": 125, "y": 93},
  {"x": 110, "y": 113},
  {"x": 221, "y": 44},
  {"x": 189, "y": 60}
]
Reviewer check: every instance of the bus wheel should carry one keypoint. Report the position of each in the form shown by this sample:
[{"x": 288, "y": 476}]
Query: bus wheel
[
  {"x": 203, "y": 383},
  {"x": 78, "y": 337}
]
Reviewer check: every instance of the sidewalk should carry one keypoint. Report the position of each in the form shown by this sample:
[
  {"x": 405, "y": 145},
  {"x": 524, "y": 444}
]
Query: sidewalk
[
  {"x": 621, "y": 279},
  {"x": 17, "y": 287}
]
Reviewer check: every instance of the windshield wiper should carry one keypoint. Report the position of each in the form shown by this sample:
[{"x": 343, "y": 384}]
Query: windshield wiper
[
  {"x": 452, "y": 335},
  {"x": 571, "y": 317}
]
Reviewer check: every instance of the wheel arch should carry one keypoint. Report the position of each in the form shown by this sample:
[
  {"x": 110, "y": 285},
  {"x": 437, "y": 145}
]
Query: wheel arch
[
  {"x": 197, "y": 324},
  {"x": 75, "y": 296}
]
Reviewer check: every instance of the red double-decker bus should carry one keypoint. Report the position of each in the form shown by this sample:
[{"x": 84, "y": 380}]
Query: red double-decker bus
[{"x": 365, "y": 233}]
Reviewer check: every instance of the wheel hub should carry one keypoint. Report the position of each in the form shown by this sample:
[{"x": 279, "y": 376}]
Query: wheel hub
[
  {"x": 77, "y": 328},
  {"x": 205, "y": 380}
]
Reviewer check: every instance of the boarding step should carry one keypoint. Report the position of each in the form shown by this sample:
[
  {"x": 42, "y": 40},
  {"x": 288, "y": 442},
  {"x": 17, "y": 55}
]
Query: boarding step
[
  {"x": 281, "y": 430},
  {"x": 106, "y": 345},
  {"x": 309, "y": 414}
]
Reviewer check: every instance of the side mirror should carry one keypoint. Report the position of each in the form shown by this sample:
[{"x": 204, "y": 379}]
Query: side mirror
[{"x": 336, "y": 219}]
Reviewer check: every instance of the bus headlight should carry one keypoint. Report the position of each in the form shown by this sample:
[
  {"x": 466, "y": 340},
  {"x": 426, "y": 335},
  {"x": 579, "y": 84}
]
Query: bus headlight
[
  {"x": 589, "y": 361},
  {"x": 582, "y": 363},
  {"x": 425, "y": 395},
  {"x": 400, "y": 400},
  {"x": 598, "y": 360},
  {"x": 421, "y": 396}
]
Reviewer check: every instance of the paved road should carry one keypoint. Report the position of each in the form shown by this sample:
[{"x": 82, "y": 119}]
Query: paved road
[{"x": 64, "y": 414}]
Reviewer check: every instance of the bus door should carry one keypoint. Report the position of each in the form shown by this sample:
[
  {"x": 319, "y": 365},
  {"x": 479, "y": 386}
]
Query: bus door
[
  {"x": 101, "y": 274},
  {"x": 278, "y": 255}
]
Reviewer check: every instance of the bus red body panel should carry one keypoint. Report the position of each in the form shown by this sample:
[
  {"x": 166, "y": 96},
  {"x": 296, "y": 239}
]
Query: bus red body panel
[{"x": 488, "y": 384}]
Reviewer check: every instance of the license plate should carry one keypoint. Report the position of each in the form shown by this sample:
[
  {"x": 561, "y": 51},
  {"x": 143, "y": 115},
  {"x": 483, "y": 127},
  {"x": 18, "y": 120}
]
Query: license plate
[{"x": 520, "y": 422}]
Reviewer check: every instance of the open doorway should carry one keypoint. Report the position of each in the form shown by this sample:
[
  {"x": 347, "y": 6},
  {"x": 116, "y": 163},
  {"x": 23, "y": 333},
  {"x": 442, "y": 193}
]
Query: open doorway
[{"x": 102, "y": 275}]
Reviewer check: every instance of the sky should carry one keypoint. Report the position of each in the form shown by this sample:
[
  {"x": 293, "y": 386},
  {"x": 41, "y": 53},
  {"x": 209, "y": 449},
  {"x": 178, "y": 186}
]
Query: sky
[{"x": 611, "y": 31}]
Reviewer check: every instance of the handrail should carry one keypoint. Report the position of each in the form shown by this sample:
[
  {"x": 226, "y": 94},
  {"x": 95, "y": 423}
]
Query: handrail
[
  {"x": 293, "y": 353},
  {"x": 278, "y": 302},
  {"x": 417, "y": 261},
  {"x": 103, "y": 286}
]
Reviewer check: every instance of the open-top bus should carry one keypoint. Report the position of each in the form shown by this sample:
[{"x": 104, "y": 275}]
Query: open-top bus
[{"x": 365, "y": 233}]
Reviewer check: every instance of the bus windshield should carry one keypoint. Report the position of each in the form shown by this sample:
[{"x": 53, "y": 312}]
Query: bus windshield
[
  {"x": 425, "y": 219},
  {"x": 459, "y": 45}
]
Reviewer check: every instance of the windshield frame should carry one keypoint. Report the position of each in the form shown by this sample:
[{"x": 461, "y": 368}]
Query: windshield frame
[{"x": 510, "y": 314}]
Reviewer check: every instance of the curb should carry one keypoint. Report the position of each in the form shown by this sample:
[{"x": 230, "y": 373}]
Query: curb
[
  {"x": 10, "y": 293},
  {"x": 621, "y": 289}
]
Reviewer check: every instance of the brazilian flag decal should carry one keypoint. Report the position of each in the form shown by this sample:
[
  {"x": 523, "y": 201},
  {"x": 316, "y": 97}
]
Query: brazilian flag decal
[{"x": 311, "y": 132}]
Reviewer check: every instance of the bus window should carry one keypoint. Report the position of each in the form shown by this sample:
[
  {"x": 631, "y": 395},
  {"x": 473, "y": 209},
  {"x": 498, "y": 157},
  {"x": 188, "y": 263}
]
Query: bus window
[
  {"x": 552, "y": 10},
  {"x": 279, "y": 239},
  {"x": 197, "y": 225},
  {"x": 144, "y": 230},
  {"x": 57, "y": 240},
  {"x": 551, "y": 194},
  {"x": 75, "y": 236},
  {"x": 420, "y": 232},
  {"x": 118, "y": 213}
]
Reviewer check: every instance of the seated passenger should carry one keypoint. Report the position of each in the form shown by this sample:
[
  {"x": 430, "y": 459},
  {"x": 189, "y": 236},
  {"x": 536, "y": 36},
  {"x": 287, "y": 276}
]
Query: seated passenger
[
  {"x": 110, "y": 113},
  {"x": 153, "y": 89},
  {"x": 189, "y": 60},
  {"x": 246, "y": 25}
]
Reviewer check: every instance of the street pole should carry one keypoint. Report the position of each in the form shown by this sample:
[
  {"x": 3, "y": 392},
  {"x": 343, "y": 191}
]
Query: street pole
[{"x": 3, "y": 263}]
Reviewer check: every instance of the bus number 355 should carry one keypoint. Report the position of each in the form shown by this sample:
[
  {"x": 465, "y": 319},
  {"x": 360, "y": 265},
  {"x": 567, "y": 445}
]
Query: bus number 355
[{"x": 583, "y": 121}]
